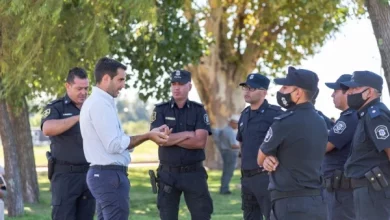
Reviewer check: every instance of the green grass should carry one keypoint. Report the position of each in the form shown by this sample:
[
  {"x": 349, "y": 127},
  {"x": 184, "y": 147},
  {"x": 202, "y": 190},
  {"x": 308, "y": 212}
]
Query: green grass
[
  {"x": 146, "y": 152},
  {"x": 142, "y": 200}
]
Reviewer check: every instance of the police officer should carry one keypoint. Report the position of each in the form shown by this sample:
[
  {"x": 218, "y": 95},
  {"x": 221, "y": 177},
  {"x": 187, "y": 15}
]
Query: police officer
[
  {"x": 329, "y": 123},
  {"x": 368, "y": 164},
  {"x": 71, "y": 198},
  {"x": 253, "y": 125},
  {"x": 181, "y": 169},
  {"x": 338, "y": 193},
  {"x": 293, "y": 150}
]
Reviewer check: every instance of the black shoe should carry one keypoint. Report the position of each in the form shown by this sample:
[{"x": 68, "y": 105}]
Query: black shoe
[{"x": 225, "y": 193}]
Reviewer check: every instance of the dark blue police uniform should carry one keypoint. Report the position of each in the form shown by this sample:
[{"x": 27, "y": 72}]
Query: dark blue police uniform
[
  {"x": 329, "y": 123},
  {"x": 181, "y": 170},
  {"x": 298, "y": 140},
  {"x": 368, "y": 164},
  {"x": 338, "y": 193},
  {"x": 252, "y": 128},
  {"x": 71, "y": 198}
]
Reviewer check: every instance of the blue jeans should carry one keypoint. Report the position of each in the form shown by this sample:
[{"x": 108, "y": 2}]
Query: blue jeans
[
  {"x": 229, "y": 158},
  {"x": 111, "y": 190}
]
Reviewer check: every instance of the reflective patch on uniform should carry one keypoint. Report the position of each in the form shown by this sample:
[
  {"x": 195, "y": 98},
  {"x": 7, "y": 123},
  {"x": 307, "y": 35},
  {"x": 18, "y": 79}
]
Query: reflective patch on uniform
[
  {"x": 206, "y": 119},
  {"x": 46, "y": 113},
  {"x": 339, "y": 127},
  {"x": 269, "y": 135},
  {"x": 381, "y": 132},
  {"x": 153, "y": 117},
  {"x": 170, "y": 118}
]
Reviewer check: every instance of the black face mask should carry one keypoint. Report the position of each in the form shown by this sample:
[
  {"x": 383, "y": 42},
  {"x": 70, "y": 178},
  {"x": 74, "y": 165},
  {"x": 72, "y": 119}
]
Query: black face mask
[
  {"x": 356, "y": 101},
  {"x": 284, "y": 100}
]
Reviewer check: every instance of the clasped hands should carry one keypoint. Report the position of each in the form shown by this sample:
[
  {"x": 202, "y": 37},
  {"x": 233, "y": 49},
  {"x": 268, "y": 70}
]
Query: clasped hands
[{"x": 270, "y": 163}]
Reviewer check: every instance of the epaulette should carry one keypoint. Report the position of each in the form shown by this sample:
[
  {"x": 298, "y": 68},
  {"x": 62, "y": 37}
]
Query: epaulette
[
  {"x": 161, "y": 104},
  {"x": 284, "y": 115},
  {"x": 275, "y": 107},
  {"x": 197, "y": 103},
  {"x": 374, "y": 111},
  {"x": 245, "y": 109},
  {"x": 56, "y": 101},
  {"x": 348, "y": 112}
]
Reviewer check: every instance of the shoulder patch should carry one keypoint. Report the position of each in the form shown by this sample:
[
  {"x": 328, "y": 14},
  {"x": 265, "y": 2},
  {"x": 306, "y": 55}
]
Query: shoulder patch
[
  {"x": 374, "y": 111},
  {"x": 381, "y": 132},
  {"x": 275, "y": 107},
  {"x": 46, "y": 113},
  {"x": 284, "y": 115},
  {"x": 161, "y": 104},
  {"x": 339, "y": 127}
]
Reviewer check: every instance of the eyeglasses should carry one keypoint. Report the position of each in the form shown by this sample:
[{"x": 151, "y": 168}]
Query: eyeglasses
[{"x": 246, "y": 88}]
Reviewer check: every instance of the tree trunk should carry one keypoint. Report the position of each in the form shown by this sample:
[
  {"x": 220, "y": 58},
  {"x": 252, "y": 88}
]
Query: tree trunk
[
  {"x": 221, "y": 97},
  {"x": 379, "y": 11},
  {"x": 12, "y": 170},
  {"x": 21, "y": 126}
]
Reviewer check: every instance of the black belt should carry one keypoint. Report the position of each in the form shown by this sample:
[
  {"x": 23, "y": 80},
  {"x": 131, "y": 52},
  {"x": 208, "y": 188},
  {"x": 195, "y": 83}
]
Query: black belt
[
  {"x": 181, "y": 169},
  {"x": 110, "y": 167},
  {"x": 70, "y": 168},
  {"x": 297, "y": 193},
  {"x": 249, "y": 173},
  {"x": 357, "y": 183}
]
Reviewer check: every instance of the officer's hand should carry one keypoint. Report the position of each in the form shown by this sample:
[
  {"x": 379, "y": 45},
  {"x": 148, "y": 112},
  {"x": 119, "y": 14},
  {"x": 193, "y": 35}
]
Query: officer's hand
[
  {"x": 158, "y": 137},
  {"x": 162, "y": 128},
  {"x": 270, "y": 163}
]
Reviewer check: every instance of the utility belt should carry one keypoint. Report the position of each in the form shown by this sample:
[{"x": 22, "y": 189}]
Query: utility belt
[
  {"x": 249, "y": 173},
  {"x": 374, "y": 177},
  {"x": 110, "y": 167},
  {"x": 60, "y": 166},
  {"x": 337, "y": 181},
  {"x": 275, "y": 195},
  {"x": 181, "y": 169}
]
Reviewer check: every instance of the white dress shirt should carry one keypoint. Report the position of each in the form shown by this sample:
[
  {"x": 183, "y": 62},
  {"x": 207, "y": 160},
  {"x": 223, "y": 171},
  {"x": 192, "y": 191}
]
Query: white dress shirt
[{"x": 104, "y": 140}]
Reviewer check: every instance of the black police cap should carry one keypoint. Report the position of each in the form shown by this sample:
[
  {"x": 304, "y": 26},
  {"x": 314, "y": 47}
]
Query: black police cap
[
  {"x": 364, "y": 78},
  {"x": 301, "y": 78},
  {"x": 181, "y": 76},
  {"x": 337, "y": 85},
  {"x": 257, "y": 81}
]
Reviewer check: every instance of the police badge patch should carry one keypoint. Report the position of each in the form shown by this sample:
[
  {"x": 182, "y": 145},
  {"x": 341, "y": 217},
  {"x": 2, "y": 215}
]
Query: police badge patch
[
  {"x": 268, "y": 136},
  {"x": 153, "y": 117},
  {"x": 206, "y": 119},
  {"x": 381, "y": 132},
  {"x": 339, "y": 127},
  {"x": 46, "y": 113}
]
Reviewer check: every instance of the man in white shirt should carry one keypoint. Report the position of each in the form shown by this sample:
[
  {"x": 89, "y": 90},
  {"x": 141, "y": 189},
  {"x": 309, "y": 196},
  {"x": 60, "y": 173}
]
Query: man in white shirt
[{"x": 106, "y": 146}]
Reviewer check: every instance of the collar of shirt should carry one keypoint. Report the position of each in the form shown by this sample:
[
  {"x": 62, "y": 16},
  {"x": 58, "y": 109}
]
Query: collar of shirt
[
  {"x": 364, "y": 110},
  {"x": 347, "y": 112},
  {"x": 260, "y": 109},
  {"x": 172, "y": 103},
  {"x": 103, "y": 94},
  {"x": 67, "y": 99},
  {"x": 305, "y": 105}
]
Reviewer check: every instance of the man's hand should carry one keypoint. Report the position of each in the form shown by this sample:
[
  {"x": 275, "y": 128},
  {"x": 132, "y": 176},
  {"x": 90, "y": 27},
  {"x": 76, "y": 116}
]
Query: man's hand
[
  {"x": 159, "y": 137},
  {"x": 162, "y": 128},
  {"x": 270, "y": 163}
]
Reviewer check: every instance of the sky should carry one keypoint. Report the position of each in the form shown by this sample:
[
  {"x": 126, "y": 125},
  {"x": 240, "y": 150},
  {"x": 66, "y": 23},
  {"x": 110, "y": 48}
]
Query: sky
[{"x": 352, "y": 48}]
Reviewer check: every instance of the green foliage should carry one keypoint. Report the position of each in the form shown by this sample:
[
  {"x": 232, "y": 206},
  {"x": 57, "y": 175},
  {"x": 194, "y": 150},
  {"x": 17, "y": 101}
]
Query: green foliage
[
  {"x": 153, "y": 50},
  {"x": 136, "y": 127}
]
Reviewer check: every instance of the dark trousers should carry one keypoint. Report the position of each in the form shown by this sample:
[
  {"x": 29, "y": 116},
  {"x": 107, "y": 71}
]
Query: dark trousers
[
  {"x": 196, "y": 194},
  {"x": 340, "y": 204},
  {"x": 299, "y": 208},
  {"x": 229, "y": 159},
  {"x": 255, "y": 196},
  {"x": 111, "y": 189},
  {"x": 371, "y": 204},
  {"x": 71, "y": 198}
]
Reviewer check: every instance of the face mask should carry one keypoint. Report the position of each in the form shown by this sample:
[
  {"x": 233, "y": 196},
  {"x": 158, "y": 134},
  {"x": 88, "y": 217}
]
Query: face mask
[
  {"x": 284, "y": 100},
  {"x": 356, "y": 101}
]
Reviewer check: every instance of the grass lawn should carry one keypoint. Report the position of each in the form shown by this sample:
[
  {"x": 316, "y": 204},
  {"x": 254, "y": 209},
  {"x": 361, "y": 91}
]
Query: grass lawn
[
  {"x": 146, "y": 152},
  {"x": 143, "y": 205}
]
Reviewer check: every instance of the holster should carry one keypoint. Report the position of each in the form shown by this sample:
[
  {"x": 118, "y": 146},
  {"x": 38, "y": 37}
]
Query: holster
[
  {"x": 153, "y": 181},
  {"x": 380, "y": 177},
  {"x": 337, "y": 179},
  {"x": 50, "y": 165}
]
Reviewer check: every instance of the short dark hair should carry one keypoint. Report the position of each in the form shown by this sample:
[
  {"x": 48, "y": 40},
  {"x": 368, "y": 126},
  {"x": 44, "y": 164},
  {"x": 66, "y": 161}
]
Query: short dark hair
[
  {"x": 76, "y": 72},
  {"x": 311, "y": 95},
  {"x": 108, "y": 66}
]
